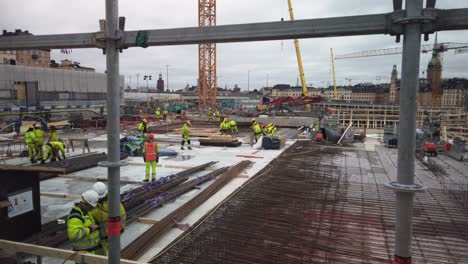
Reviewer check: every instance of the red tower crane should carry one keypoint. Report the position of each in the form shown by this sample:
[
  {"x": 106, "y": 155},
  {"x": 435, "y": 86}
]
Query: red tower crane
[{"x": 207, "y": 83}]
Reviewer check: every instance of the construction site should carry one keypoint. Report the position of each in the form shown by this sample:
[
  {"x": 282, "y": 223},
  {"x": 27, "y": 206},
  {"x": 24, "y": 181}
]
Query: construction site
[{"x": 95, "y": 170}]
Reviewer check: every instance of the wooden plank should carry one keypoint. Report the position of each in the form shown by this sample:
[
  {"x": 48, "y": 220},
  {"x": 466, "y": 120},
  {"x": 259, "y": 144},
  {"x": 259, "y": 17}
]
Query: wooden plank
[
  {"x": 11, "y": 246},
  {"x": 37, "y": 168},
  {"x": 147, "y": 220},
  {"x": 60, "y": 195}
]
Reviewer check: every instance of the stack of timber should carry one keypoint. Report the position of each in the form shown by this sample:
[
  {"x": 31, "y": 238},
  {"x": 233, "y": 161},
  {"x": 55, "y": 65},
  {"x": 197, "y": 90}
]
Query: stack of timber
[
  {"x": 54, "y": 234},
  {"x": 220, "y": 141},
  {"x": 143, "y": 242},
  {"x": 73, "y": 164}
]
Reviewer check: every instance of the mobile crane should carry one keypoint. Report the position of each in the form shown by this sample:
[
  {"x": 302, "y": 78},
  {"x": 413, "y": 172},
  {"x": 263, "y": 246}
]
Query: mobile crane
[{"x": 299, "y": 60}]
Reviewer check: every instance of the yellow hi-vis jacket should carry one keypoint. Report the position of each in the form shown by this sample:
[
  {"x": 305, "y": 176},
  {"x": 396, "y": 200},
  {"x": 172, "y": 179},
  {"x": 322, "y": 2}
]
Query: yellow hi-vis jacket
[
  {"x": 185, "y": 132},
  {"x": 30, "y": 137},
  {"x": 79, "y": 233},
  {"x": 101, "y": 213},
  {"x": 40, "y": 135}
]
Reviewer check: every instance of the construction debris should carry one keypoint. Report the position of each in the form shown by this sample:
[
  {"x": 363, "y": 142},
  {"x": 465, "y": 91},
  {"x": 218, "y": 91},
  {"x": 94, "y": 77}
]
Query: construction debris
[{"x": 220, "y": 141}]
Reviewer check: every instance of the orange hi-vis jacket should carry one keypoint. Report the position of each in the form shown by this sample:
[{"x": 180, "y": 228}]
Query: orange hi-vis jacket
[{"x": 151, "y": 151}]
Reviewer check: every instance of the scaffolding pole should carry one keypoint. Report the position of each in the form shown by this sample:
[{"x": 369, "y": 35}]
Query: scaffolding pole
[{"x": 113, "y": 163}]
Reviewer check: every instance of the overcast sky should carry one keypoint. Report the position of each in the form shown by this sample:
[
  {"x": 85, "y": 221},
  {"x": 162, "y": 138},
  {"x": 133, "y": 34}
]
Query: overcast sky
[{"x": 276, "y": 59}]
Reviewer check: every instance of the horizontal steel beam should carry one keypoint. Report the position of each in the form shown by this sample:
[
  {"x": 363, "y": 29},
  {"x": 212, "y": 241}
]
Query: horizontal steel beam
[
  {"x": 453, "y": 19},
  {"x": 62, "y": 41}
]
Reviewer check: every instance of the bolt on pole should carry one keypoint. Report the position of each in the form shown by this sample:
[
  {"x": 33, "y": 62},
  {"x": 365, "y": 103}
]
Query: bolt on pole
[{"x": 407, "y": 132}]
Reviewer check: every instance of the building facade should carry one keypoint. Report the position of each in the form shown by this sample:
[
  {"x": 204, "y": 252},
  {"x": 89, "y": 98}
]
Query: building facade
[
  {"x": 33, "y": 58},
  {"x": 73, "y": 66},
  {"x": 30, "y": 58},
  {"x": 8, "y": 57},
  {"x": 454, "y": 97},
  {"x": 34, "y": 86},
  {"x": 285, "y": 90}
]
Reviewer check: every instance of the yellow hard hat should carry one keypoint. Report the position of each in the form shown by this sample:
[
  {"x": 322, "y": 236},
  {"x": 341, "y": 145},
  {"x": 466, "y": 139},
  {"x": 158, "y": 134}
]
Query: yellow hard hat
[
  {"x": 145, "y": 120},
  {"x": 252, "y": 120},
  {"x": 225, "y": 119},
  {"x": 188, "y": 122}
]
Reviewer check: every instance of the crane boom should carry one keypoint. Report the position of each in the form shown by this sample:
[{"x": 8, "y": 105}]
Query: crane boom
[
  {"x": 298, "y": 54},
  {"x": 335, "y": 92},
  {"x": 398, "y": 50}
]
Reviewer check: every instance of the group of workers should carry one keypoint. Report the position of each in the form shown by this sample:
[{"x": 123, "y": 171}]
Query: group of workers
[
  {"x": 228, "y": 126},
  {"x": 35, "y": 139},
  {"x": 164, "y": 114},
  {"x": 215, "y": 114},
  {"x": 262, "y": 130},
  {"x": 87, "y": 224}
]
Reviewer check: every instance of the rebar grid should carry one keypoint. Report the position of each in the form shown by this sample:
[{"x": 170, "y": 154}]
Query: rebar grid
[{"x": 321, "y": 205}]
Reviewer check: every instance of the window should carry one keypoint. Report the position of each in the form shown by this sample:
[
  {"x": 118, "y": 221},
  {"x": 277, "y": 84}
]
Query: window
[
  {"x": 29, "y": 52},
  {"x": 29, "y": 61},
  {"x": 22, "y": 60}
]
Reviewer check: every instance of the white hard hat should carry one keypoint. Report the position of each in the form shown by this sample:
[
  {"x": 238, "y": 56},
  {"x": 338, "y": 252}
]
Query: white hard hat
[
  {"x": 91, "y": 197},
  {"x": 101, "y": 189}
]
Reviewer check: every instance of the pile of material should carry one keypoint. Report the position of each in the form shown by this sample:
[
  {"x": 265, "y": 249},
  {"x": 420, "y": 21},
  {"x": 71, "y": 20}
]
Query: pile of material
[
  {"x": 220, "y": 141},
  {"x": 132, "y": 145}
]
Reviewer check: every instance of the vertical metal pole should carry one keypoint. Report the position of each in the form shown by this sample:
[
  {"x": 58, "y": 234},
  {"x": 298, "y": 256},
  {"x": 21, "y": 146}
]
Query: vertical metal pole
[
  {"x": 248, "y": 80},
  {"x": 407, "y": 132},
  {"x": 167, "y": 77},
  {"x": 113, "y": 129}
]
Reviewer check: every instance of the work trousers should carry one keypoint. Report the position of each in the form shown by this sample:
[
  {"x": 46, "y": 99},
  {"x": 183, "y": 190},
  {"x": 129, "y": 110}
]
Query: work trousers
[
  {"x": 150, "y": 165},
  {"x": 234, "y": 130},
  {"x": 39, "y": 151},
  {"x": 31, "y": 150}
]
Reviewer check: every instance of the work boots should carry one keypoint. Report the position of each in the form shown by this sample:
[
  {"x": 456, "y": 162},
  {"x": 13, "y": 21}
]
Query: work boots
[
  {"x": 33, "y": 160},
  {"x": 189, "y": 147}
]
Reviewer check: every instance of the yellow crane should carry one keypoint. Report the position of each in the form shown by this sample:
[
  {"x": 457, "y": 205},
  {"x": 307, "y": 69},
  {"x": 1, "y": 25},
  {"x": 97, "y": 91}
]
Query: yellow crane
[
  {"x": 299, "y": 59},
  {"x": 335, "y": 92}
]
